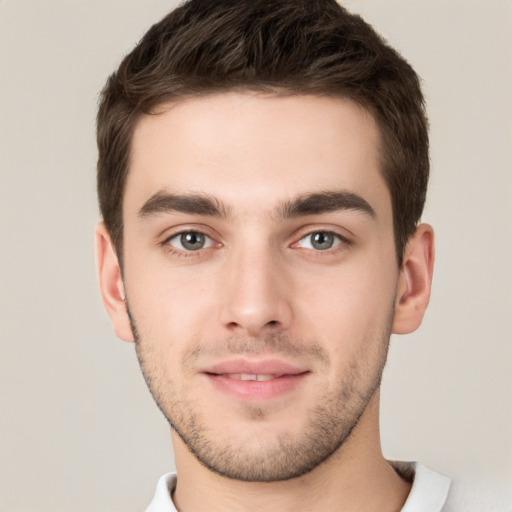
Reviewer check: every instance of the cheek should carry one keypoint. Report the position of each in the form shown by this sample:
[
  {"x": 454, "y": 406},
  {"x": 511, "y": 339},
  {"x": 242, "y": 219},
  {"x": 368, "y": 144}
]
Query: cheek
[
  {"x": 347, "y": 302},
  {"x": 167, "y": 302}
]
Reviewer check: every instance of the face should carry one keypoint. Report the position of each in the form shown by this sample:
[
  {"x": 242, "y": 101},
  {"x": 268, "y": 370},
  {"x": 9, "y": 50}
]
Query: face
[{"x": 260, "y": 274}]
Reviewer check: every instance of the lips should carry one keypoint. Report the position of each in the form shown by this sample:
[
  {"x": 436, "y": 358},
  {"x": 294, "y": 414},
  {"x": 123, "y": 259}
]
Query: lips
[
  {"x": 255, "y": 380},
  {"x": 241, "y": 366}
]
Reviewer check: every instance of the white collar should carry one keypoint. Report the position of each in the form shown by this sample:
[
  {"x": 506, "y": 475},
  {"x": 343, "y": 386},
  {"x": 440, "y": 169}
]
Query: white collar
[
  {"x": 429, "y": 490},
  {"x": 162, "y": 501},
  {"x": 428, "y": 493}
]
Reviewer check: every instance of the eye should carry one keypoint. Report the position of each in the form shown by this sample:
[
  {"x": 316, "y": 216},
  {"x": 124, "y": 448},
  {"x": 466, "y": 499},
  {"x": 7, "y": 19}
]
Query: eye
[
  {"x": 190, "y": 241},
  {"x": 320, "y": 240}
]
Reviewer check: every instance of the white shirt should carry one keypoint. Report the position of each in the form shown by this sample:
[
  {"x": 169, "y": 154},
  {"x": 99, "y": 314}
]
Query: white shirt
[{"x": 429, "y": 491}]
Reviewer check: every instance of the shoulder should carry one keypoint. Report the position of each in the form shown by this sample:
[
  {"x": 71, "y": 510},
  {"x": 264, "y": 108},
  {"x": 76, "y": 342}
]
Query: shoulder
[
  {"x": 465, "y": 496},
  {"x": 433, "y": 492}
]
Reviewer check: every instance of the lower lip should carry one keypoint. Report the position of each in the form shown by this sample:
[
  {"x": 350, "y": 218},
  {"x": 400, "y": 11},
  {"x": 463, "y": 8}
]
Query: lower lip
[{"x": 256, "y": 390}]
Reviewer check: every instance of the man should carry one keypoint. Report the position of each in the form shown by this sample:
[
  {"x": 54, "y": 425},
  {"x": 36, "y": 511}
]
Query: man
[{"x": 262, "y": 172}]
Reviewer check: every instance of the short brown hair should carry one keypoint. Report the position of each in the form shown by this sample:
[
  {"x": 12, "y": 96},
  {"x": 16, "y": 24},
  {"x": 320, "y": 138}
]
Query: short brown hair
[{"x": 279, "y": 46}]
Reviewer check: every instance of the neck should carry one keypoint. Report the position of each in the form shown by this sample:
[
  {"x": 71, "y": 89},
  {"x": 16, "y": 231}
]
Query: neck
[{"x": 355, "y": 478}]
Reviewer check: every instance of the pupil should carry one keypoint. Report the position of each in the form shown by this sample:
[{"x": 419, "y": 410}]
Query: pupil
[
  {"x": 322, "y": 240},
  {"x": 192, "y": 241}
]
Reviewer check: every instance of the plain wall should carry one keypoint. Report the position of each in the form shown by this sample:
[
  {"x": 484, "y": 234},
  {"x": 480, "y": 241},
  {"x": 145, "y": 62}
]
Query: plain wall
[{"x": 78, "y": 429}]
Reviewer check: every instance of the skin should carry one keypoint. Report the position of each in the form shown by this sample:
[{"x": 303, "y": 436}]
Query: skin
[{"x": 261, "y": 289}]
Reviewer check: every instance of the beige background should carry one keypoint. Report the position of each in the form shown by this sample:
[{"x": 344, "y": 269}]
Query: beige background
[{"x": 78, "y": 430}]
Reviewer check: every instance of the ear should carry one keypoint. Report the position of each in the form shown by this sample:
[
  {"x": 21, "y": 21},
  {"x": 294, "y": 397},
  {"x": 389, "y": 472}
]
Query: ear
[
  {"x": 414, "y": 282},
  {"x": 111, "y": 284}
]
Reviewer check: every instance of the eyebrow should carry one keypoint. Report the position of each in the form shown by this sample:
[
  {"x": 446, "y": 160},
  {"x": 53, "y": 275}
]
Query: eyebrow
[
  {"x": 163, "y": 202},
  {"x": 310, "y": 204},
  {"x": 324, "y": 202}
]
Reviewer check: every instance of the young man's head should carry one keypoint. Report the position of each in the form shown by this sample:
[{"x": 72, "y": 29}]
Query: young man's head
[{"x": 262, "y": 168}]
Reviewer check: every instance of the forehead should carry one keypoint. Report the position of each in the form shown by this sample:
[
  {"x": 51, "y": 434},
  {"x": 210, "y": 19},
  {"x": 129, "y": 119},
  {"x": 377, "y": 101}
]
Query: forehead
[{"x": 251, "y": 150}]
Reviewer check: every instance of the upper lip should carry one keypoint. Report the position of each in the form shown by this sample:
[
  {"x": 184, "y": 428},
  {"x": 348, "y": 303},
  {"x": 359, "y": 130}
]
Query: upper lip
[{"x": 261, "y": 367}]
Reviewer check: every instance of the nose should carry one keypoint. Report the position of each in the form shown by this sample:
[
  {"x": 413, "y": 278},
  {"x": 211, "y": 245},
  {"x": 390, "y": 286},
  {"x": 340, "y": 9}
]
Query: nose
[{"x": 256, "y": 294}]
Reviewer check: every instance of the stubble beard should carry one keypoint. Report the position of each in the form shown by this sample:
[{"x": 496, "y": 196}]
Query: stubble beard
[{"x": 329, "y": 425}]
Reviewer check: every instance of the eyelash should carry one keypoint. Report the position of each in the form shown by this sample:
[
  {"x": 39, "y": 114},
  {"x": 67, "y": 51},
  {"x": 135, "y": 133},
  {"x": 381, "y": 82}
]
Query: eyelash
[
  {"x": 343, "y": 242},
  {"x": 183, "y": 252},
  {"x": 340, "y": 242}
]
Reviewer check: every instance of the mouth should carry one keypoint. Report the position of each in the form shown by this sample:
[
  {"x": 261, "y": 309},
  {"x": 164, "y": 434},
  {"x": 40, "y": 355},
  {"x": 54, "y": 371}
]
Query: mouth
[{"x": 255, "y": 380}]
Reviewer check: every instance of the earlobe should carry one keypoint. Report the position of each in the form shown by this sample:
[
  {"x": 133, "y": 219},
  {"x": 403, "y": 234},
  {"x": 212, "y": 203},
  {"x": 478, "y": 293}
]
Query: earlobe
[
  {"x": 111, "y": 284},
  {"x": 414, "y": 284}
]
